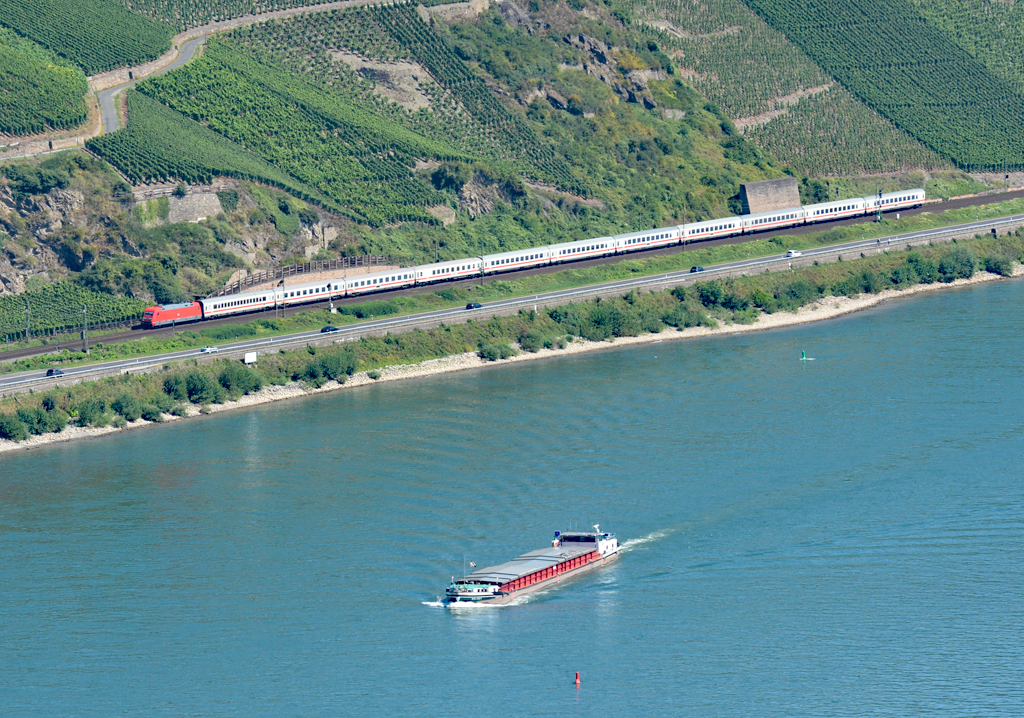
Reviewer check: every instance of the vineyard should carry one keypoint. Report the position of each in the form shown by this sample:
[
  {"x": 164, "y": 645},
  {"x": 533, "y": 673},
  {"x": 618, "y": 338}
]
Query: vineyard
[
  {"x": 325, "y": 138},
  {"x": 749, "y": 68},
  {"x": 59, "y": 306},
  {"x": 40, "y": 90},
  {"x": 889, "y": 56},
  {"x": 96, "y": 35},
  {"x": 361, "y": 162},
  {"x": 827, "y": 134},
  {"x": 184, "y": 14},
  {"x": 160, "y": 144},
  {"x": 992, "y": 32},
  {"x": 463, "y": 112}
]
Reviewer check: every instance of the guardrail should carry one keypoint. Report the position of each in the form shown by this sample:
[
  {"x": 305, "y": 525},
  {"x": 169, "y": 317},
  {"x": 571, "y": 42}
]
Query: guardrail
[{"x": 512, "y": 306}]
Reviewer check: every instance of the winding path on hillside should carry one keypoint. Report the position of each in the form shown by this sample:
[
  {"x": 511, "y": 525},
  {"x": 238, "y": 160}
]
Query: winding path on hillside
[{"x": 184, "y": 47}]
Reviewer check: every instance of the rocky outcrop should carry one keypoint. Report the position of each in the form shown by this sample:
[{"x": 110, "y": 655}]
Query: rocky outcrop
[
  {"x": 600, "y": 62},
  {"x": 515, "y": 15},
  {"x": 479, "y": 195}
]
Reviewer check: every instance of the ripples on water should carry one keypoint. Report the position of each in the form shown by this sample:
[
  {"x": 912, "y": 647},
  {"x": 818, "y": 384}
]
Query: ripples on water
[{"x": 842, "y": 537}]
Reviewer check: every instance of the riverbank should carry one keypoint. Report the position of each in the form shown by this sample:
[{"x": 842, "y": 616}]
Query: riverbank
[{"x": 825, "y": 308}]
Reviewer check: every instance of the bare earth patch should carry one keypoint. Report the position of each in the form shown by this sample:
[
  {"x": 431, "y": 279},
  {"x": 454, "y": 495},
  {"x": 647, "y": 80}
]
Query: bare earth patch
[
  {"x": 780, "y": 107},
  {"x": 398, "y": 81}
]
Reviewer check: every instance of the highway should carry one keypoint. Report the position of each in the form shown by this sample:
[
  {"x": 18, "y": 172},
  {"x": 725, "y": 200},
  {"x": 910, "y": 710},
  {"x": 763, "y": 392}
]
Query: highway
[
  {"x": 136, "y": 332},
  {"x": 354, "y": 331}
]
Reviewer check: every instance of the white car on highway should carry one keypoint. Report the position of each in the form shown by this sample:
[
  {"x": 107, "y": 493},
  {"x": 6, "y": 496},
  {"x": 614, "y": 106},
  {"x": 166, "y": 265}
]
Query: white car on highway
[
  {"x": 793, "y": 253},
  {"x": 209, "y": 350}
]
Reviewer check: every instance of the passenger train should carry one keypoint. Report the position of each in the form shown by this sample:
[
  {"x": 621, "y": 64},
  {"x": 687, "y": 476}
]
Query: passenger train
[{"x": 173, "y": 314}]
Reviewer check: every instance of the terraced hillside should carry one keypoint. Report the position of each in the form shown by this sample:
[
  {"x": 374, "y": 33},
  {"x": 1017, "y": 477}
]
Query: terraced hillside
[
  {"x": 96, "y": 35},
  {"x": 784, "y": 101},
  {"x": 991, "y": 32},
  {"x": 887, "y": 54},
  {"x": 387, "y": 115},
  {"x": 40, "y": 90}
]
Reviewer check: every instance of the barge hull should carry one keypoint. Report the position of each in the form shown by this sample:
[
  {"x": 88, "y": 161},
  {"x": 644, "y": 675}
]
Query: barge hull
[{"x": 546, "y": 583}]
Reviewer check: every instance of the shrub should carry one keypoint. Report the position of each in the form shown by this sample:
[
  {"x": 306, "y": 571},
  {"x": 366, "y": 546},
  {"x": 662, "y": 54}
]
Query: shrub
[
  {"x": 682, "y": 317},
  {"x": 92, "y": 412},
  {"x": 999, "y": 264},
  {"x": 958, "y": 263},
  {"x": 240, "y": 379},
  {"x": 228, "y": 200},
  {"x": 927, "y": 271},
  {"x": 710, "y": 293},
  {"x": 13, "y": 428},
  {"x": 174, "y": 387},
  {"x": 127, "y": 406},
  {"x": 533, "y": 341},
  {"x": 178, "y": 410},
  {"x": 162, "y": 402},
  {"x": 373, "y": 374},
  {"x": 202, "y": 389},
  {"x": 119, "y": 422},
  {"x": 38, "y": 421},
  {"x": 335, "y": 366},
  {"x": 152, "y": 413},
  {"x": 494, "y": 352}
]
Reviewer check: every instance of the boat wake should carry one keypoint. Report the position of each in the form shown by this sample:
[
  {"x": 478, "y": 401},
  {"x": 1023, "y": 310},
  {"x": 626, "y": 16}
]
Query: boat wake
[{"x": 637, "y": 542}]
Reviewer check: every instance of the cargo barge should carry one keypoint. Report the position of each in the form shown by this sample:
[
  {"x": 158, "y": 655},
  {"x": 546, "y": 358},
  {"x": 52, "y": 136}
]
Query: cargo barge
[{"x": 570, "y": 553}]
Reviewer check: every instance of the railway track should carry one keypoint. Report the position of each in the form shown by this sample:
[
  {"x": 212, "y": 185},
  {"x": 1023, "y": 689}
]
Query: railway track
[
  {"x": 36, "y": 379},
  {"x": 138, "y": 332}
]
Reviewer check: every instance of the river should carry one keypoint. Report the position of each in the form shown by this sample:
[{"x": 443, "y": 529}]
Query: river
[{"x": 842, "y": 536}]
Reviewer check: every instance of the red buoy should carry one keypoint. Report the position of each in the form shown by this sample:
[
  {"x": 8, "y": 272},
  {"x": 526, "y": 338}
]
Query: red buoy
[{"x": 577, "y": 677}]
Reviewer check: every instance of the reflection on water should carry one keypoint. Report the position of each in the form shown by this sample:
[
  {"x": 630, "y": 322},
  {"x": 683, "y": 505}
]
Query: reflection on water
[{"x": 836, "y": 537}]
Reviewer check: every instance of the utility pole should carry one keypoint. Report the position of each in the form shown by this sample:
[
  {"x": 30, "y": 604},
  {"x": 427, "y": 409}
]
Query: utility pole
[
  {"x": 85, "y": 329},
  {"x": 28, "y": 315}
]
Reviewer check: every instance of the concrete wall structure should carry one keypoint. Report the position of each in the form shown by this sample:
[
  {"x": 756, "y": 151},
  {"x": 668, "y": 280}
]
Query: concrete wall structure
[{"x": 770, "y": 195}]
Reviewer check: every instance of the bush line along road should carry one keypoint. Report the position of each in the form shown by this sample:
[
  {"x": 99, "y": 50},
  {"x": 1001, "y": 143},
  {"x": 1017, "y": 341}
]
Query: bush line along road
[
  {"x": 69, "y": 339},
  {"x": 37, "y": 379}
]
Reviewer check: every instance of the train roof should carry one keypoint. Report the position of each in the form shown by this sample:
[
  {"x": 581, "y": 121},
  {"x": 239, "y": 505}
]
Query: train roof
[
  {"x": 169, "y": 307},
  {"x": 774, "y": 213},
  {"x": 576, "y": 243},
  {"x": 902, "y": 192},
  {"x": 647, "y": 232},
  {"x": 517, "y": 252},
  {"x": 526, "y": 564},
  {"x": 445, "y": 264},
  {"x": 704, "y": 222}
]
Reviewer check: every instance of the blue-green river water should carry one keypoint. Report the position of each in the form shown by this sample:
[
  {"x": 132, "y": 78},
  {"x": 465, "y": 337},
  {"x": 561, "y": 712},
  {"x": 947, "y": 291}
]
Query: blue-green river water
[{"x": 836, "y": 537}]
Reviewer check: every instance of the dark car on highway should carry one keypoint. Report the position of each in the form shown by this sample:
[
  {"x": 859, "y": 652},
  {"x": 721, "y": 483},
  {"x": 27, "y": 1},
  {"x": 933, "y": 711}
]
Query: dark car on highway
[
  {"x": 696, "y": 269},
  {"x": 474, "y": 305},
  {"x": 328, "y": 330},
  {"x": 54, "y": 372}
]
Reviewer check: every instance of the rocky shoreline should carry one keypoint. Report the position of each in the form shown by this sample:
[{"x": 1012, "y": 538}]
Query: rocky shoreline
[{"x": 824, "y": 308}]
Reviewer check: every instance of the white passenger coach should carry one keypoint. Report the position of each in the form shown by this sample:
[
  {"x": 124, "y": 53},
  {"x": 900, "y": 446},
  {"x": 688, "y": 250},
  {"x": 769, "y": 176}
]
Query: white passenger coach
[{"x": 557, "y": 253}]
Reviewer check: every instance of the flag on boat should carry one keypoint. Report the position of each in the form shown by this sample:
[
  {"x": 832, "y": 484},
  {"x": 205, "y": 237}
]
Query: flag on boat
[{"x": 472, "y": 565}]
